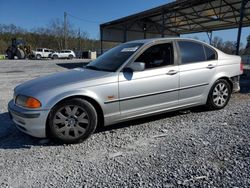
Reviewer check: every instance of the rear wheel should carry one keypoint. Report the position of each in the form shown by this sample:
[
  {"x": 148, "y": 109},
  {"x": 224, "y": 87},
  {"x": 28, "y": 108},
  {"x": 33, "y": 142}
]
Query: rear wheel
[
  {"x": 10, "y": 54},
  {"x": 219, "y": 95},
  {"x": 38, "y": 56},
  {"x": 55, "y": 56},
  {"x": 72, "y": 121}
]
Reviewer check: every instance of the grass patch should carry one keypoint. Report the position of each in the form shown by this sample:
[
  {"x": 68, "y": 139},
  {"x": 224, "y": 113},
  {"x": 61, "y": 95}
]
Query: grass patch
[{"x": 2, "y": 57}]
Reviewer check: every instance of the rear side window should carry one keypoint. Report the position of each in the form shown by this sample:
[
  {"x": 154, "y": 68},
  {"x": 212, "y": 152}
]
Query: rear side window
[
  {"x": 191, "y": 52},
  {"x": 210, "y": 53}
]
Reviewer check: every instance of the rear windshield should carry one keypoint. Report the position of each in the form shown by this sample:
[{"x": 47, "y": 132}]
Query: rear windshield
[{"x": 114, "y": 58}]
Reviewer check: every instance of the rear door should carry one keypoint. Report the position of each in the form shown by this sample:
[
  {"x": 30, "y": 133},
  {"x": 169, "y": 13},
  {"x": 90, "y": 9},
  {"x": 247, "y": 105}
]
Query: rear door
[{"x": 197, "y": 68}]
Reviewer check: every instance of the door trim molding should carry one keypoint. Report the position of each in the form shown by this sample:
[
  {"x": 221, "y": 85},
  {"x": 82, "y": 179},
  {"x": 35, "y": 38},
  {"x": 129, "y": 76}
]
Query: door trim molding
[{"x": 155, "y": 93}]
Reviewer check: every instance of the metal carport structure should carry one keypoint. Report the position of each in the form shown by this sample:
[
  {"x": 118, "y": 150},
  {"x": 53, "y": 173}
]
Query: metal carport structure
[{"x": 177, "y": 18}]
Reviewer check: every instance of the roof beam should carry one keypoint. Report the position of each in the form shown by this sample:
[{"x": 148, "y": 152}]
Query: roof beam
[
  {"x": 203, "y": 22},
  {"x": 185, "y": 16},
  {"x": 161, "y": 26},
  {"x": 196, "y": 23},
  {"x": 198, "y": 16},
  {"x": 233, "y": 8}
]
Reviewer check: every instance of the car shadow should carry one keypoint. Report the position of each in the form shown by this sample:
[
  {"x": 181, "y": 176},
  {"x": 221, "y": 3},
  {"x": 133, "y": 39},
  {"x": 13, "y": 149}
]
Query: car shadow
[
  {"x": 149, "y": 119},
  {"x": 72, "y": 65},
  {"x": 12, "y": 138}
]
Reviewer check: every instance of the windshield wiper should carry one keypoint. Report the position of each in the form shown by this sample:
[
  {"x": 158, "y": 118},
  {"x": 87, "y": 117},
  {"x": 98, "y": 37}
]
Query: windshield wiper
[
  {"x": 96, "y": 68},
  {"x": 92, "y": 67}
]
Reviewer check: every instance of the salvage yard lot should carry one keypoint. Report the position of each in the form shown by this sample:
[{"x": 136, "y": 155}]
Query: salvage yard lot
[{"x": 200, "y": 148}]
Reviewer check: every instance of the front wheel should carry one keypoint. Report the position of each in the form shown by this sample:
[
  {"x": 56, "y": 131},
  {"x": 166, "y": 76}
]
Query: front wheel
[
  {"x": 219, "y": 95},
  {"x": 72, "y": 121}
]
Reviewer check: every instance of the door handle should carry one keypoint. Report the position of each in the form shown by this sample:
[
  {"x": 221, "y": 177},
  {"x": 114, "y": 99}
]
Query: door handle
[
  {"x": 210, "y": 66},
  {"x": 172, "y": 72}
]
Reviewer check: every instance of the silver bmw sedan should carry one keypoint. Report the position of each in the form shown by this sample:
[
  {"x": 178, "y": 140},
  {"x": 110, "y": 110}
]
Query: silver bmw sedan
[{"x": 135, "y": 79}]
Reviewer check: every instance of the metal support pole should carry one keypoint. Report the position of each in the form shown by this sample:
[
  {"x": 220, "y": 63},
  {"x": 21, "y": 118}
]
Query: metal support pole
[
  {"x": 210, "y": 37},
  {"x": 242, "y": 9},
  {"x": 79, "y": 44},
  {"x": 101, "y": 39},
  {"x": 65, "y": 30}
]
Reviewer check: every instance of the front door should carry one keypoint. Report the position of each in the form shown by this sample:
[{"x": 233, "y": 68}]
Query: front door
[{"x": 153, "y": 90}]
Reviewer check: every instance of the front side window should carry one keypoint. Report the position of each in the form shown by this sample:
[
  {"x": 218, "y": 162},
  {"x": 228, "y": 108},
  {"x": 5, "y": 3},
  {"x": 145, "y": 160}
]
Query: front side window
[
  {"x": 157, "y": 56},
  {"x": 113, "y": 59},
  {"x": 191, "y": 52}
]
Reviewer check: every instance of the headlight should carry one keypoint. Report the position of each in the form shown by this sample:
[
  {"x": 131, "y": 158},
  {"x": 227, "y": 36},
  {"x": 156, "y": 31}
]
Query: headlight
[{"x": 28, "y": 102}]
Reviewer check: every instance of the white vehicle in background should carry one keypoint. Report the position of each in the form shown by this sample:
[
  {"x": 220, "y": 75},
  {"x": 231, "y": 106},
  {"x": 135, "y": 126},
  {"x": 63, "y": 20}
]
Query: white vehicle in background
[
  {"x": 40, "y": 53},
  {"x": 63, "y": 54}
]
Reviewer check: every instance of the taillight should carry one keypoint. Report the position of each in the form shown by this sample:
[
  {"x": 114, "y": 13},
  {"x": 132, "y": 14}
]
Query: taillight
[{"x": 241, "y": 66}]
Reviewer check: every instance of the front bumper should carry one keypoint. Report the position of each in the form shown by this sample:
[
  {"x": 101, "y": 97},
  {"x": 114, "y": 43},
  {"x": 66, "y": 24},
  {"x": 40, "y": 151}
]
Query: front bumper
[{"x": 32, "y": 122}]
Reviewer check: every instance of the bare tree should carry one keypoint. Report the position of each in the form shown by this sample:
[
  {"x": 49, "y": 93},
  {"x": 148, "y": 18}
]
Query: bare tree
[{"x": 217, "y": 42}]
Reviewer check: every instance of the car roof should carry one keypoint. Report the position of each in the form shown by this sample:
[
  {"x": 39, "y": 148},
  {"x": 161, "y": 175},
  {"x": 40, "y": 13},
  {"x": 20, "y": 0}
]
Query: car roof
[{"x": 145, "y": 41}]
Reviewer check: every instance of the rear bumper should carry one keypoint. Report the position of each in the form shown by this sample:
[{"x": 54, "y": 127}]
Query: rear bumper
[{"x": 31, "y": 122}]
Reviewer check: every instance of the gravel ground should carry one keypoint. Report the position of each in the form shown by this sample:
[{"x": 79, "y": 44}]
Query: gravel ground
[{"x": 195, "y": 148}]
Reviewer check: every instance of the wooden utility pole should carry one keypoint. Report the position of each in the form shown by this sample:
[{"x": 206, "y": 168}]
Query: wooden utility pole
[
  {"x": 65, "y": 31},
  {"x": 79, "y": 44}
]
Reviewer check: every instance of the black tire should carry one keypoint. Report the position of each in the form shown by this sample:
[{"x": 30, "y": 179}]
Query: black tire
[
  {"x": 55, "y": 57},
  {"x": 38, "y": 56},
  {"x": 219, "y": 95},
  {"x": 10, "y": 54},
  {"x": 71, "y": 56},
  {"x": 72, "y": 121}
]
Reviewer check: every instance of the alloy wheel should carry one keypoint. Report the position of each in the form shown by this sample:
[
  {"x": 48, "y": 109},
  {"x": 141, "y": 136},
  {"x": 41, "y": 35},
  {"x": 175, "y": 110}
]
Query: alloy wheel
[
  {"x": 71, "y": 121},
  {"x": 220, "y": 94}
]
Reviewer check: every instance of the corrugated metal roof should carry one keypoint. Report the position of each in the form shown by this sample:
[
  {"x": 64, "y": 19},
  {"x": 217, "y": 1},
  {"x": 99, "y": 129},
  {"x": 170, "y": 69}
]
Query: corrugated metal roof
[{"x": 180, "y": 17}]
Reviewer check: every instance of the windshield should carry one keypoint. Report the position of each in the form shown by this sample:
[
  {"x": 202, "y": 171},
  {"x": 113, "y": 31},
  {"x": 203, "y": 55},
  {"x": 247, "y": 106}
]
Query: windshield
[{"x": 114, "y": 58}]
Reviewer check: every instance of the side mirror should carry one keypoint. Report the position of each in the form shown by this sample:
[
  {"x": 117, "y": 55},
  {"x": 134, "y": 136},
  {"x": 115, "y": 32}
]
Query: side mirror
[{"x": 137, "y": 66}]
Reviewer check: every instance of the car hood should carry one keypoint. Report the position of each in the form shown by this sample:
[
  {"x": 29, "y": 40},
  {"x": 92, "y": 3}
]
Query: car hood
[{"x": 60, "y": 80}]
